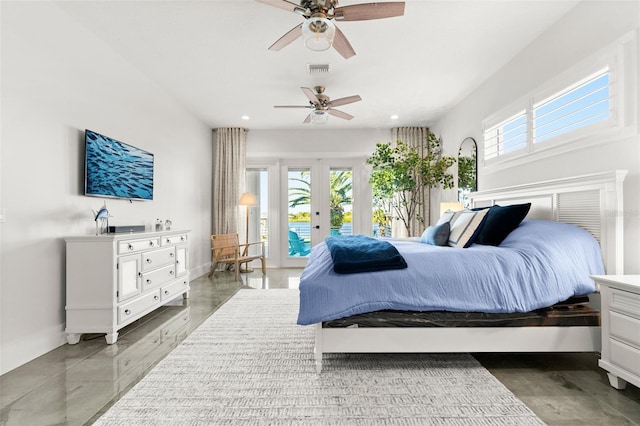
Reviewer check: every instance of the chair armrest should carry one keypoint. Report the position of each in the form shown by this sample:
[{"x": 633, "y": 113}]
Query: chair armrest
[{"x": 246, "y": 247}]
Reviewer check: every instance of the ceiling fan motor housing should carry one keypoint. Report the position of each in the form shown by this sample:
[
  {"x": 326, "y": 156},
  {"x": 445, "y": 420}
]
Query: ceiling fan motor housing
[{"x": 319, "y": 6}]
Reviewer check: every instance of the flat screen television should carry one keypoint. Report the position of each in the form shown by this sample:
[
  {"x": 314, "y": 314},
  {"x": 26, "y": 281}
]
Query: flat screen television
[{"x": 115, "y": 169}]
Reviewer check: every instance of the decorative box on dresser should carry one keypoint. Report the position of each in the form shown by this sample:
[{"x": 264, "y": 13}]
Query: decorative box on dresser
[
  {"x": 115, "y": 279},
  {"x": 620, "y": 328}
]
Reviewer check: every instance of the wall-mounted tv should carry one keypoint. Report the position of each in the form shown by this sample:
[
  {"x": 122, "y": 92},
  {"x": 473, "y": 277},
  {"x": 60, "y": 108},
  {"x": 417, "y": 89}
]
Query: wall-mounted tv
[{"x": 115, "y": 169}]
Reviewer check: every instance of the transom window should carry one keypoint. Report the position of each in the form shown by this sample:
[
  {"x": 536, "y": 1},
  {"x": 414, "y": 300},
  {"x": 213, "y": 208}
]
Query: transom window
[
  {"x": 506, "y": 137},
  {"x": 576, "y": 111},
  {"x": 584, "y": 103}
]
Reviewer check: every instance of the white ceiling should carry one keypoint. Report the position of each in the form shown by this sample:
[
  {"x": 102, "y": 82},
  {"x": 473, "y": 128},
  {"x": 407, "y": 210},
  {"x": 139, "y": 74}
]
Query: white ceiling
[{"x": 212, "y": 56}]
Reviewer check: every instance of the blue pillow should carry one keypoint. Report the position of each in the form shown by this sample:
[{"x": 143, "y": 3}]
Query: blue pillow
[
  {"x": 437, "y": 235},
  {"x": 499, "y": 223}
]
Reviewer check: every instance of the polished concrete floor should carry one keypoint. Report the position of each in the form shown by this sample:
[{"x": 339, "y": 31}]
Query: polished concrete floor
[{"x": 75, "y": 384}]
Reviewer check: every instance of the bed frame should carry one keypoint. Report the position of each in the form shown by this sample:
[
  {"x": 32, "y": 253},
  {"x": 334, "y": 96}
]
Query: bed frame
[{"x": 593, "y": 202}]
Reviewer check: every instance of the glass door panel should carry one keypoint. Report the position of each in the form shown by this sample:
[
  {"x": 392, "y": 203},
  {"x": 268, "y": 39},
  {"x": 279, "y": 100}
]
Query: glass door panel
[
  {"x": 340, "y": 201},
  {"x": 299, "y": 211}
]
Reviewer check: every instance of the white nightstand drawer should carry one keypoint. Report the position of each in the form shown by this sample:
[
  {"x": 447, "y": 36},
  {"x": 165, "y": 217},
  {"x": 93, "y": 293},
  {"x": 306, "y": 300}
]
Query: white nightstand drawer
[
  {"x": 135, "y": 308},
  {"x": 158, "y": 277},
  {"x": 157, "y": 258},
  {"x": 625, "y": 302},
  {"x": 625, "y": 356},
  {"x": 625, "y": 328},
  {"x": 131, "y": 246}
]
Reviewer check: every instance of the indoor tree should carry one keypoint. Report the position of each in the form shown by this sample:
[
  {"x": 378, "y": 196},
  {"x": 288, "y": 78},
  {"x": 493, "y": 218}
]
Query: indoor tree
[{"x": 401, "y": 172}]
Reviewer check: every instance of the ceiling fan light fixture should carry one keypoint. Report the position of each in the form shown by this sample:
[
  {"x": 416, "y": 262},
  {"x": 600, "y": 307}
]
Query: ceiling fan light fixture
[
  {"x": 319, "y": 116},
  {"x": 318, "y": 33}
]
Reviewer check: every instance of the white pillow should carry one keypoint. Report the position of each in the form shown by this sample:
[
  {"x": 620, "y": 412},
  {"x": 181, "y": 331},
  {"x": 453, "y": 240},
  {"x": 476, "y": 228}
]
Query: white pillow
[{"x": 464, "y": 225}]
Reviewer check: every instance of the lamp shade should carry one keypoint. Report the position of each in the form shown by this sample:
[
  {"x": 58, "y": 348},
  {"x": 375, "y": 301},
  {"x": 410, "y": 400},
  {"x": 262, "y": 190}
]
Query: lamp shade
[
  {"x": 318, "y": 33},
  {"x": 319, "y": 116},
  {"x": 247, "y": 199},
  {"x": 452, "y": 206}
]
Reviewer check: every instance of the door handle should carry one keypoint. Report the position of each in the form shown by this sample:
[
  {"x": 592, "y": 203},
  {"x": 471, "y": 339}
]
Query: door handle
[{"x": 317, "y": 226}]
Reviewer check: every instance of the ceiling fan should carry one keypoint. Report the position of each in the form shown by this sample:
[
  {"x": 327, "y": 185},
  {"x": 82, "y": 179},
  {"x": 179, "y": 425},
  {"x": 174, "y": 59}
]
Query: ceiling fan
[
  {"x": 322, "y": 105},
  {"x": 319, "y": 33}
]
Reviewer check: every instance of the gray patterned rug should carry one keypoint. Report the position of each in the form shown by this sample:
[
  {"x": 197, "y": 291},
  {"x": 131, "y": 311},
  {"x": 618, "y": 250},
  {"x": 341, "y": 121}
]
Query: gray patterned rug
[{"x": 250, "y": 364}]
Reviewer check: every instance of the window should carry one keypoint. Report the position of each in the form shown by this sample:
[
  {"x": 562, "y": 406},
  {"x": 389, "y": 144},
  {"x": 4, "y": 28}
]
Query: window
[
  {"x": 506, "y": 137},
  {"x": 585, "y": 105},
  {"x": 580, "y": 105}
]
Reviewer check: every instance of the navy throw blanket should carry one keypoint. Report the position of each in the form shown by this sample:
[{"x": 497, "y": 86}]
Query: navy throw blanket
[{"x": 359, "y": 253}]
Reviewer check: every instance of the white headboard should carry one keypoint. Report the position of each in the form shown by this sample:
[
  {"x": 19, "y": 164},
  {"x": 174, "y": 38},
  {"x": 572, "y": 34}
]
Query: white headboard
[{"x": 593, "y": 202}]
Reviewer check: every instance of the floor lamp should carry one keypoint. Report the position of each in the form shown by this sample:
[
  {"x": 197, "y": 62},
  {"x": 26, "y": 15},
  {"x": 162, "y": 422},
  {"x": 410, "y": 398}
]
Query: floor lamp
[{"x": 247, "y": 199}]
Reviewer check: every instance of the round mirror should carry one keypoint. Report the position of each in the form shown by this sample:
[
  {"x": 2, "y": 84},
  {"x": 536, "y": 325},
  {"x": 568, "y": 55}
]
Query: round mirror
[{"x": 467, "y": 170}]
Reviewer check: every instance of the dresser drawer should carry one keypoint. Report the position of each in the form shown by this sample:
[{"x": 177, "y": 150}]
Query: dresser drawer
[
  {"x": 625, "y": 356},
  {"x": 625, "y": 328},
  {"x": 131, "y": 246},
  {"x": 136, "y": 307},
  {"x": 174, "y": 239},
  {"x": 169, "y": 292},
  {"x": 158, "y": 277},
  {"x": 625, "y": 302},
  {"x": 157, "y": 258}
]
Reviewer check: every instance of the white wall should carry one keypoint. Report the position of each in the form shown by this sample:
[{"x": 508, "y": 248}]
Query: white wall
[
  {"x": 586, "y": 29},
  {"x": 58, "y": 78},
  {"x": 313, "y": 142}
]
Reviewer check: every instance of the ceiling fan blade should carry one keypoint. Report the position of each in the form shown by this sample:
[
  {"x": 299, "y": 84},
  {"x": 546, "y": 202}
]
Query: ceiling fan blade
[
  {"x": 345, "y": 100},
  {"x": 287, "y": 39},
  {"x": 340, "y": 114},
  {"x": 366, "y": 11},
  {"x": 342, "y": 45},
  {"x": 292, "y": 106},
  {"x": 282, "y": 4},
  {"x": 307, "y": 120},
  {"x": 309, "y": 94}
]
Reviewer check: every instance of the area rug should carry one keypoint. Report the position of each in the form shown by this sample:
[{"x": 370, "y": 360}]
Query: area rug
[{"x": 250, "y": 364}]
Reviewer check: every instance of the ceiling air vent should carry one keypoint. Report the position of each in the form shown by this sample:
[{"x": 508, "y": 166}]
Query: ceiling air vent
[{"x": 318, "y": 68}]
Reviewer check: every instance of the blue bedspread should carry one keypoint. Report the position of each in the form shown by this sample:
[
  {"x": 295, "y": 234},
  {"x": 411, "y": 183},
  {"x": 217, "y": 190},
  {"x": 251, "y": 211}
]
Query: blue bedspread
[
  {"x": 359, "y": 253},
  {"x": 538, "y": 264}
]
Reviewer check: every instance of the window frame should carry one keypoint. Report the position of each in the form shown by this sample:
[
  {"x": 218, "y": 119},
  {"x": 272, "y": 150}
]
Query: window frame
[{"x": 620, "y": 60}]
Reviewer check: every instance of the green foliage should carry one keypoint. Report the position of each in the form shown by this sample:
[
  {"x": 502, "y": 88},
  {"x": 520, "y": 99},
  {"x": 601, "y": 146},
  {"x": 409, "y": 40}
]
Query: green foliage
[
  {"x": 400, "y": 172},
  {"x": 467, "y": 172},
  {"x": 300, "y": 217}
]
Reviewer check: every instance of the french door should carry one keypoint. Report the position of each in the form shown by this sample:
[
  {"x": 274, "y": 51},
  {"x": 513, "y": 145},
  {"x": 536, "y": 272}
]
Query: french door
[{"x": 317, "y": 200}]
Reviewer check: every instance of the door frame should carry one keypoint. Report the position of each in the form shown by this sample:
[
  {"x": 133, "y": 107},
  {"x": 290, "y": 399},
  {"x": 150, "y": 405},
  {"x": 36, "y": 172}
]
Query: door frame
[{"x": 320, "y": 172}]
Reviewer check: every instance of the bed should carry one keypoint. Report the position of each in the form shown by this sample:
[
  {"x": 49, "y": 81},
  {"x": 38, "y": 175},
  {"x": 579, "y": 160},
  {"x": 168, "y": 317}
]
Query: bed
[{"x": 591, "y": 202}]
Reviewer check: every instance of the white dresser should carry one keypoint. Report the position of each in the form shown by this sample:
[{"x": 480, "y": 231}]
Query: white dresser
[
  {"x": 620, "y": 328},
  {"x": 115, "y": 279}
]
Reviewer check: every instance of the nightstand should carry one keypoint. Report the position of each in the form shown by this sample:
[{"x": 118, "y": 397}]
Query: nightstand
[{"x": 620, "y": 316}]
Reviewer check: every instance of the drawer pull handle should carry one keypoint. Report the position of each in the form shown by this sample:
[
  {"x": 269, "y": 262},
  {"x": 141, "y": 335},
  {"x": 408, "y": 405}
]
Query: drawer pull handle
[
  {"x": 170, "y": 272},
  {"x": 148, "y": 281},
  {"x": 127, "y": 312},
  {"x": 181, "y": 238},
  {"x": 155, "y": 298},
  {"x": 149, "y": 261},
  {"x": 151, "y": 243},
  {"x": 140, "y": 274},
  {"x": 168, "y": 241},
  {"x": 130, "y": 247},
  {"x": 166, "y": 292},
  {"x": 171, "y": 254}
]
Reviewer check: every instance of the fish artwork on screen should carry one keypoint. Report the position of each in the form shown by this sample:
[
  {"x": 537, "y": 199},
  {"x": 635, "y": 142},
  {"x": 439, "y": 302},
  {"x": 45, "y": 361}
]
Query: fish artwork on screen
[{"x": 117, "y": 170}]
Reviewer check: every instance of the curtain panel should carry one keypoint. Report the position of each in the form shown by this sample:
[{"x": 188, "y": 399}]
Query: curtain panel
[
  {"x": 229, "y": 165},
  {"x": 413, "y": 136}
]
